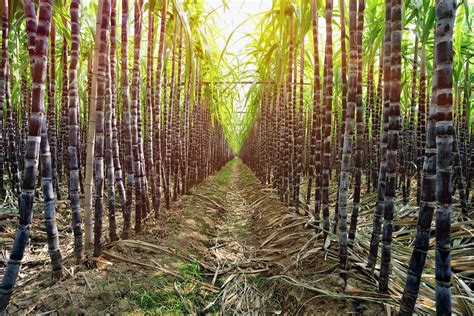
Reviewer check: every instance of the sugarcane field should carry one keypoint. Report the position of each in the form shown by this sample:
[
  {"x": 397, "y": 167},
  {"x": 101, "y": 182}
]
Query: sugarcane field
[{"x": 237, "y": 157}]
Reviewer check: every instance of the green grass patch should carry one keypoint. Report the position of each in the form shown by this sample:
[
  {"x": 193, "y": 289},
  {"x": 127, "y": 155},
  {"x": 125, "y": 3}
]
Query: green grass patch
[
  {"x": 223, "y": 176},
  {"x": 159, "y": 295},
  {"x": 166, "y": 301},
  {"x": 190, "y": 270}
]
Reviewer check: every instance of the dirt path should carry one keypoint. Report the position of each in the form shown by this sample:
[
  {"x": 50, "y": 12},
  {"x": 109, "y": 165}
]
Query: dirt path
[
  {"x": 236, "y": 248},
  {"x": 231, "y": 247}
]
